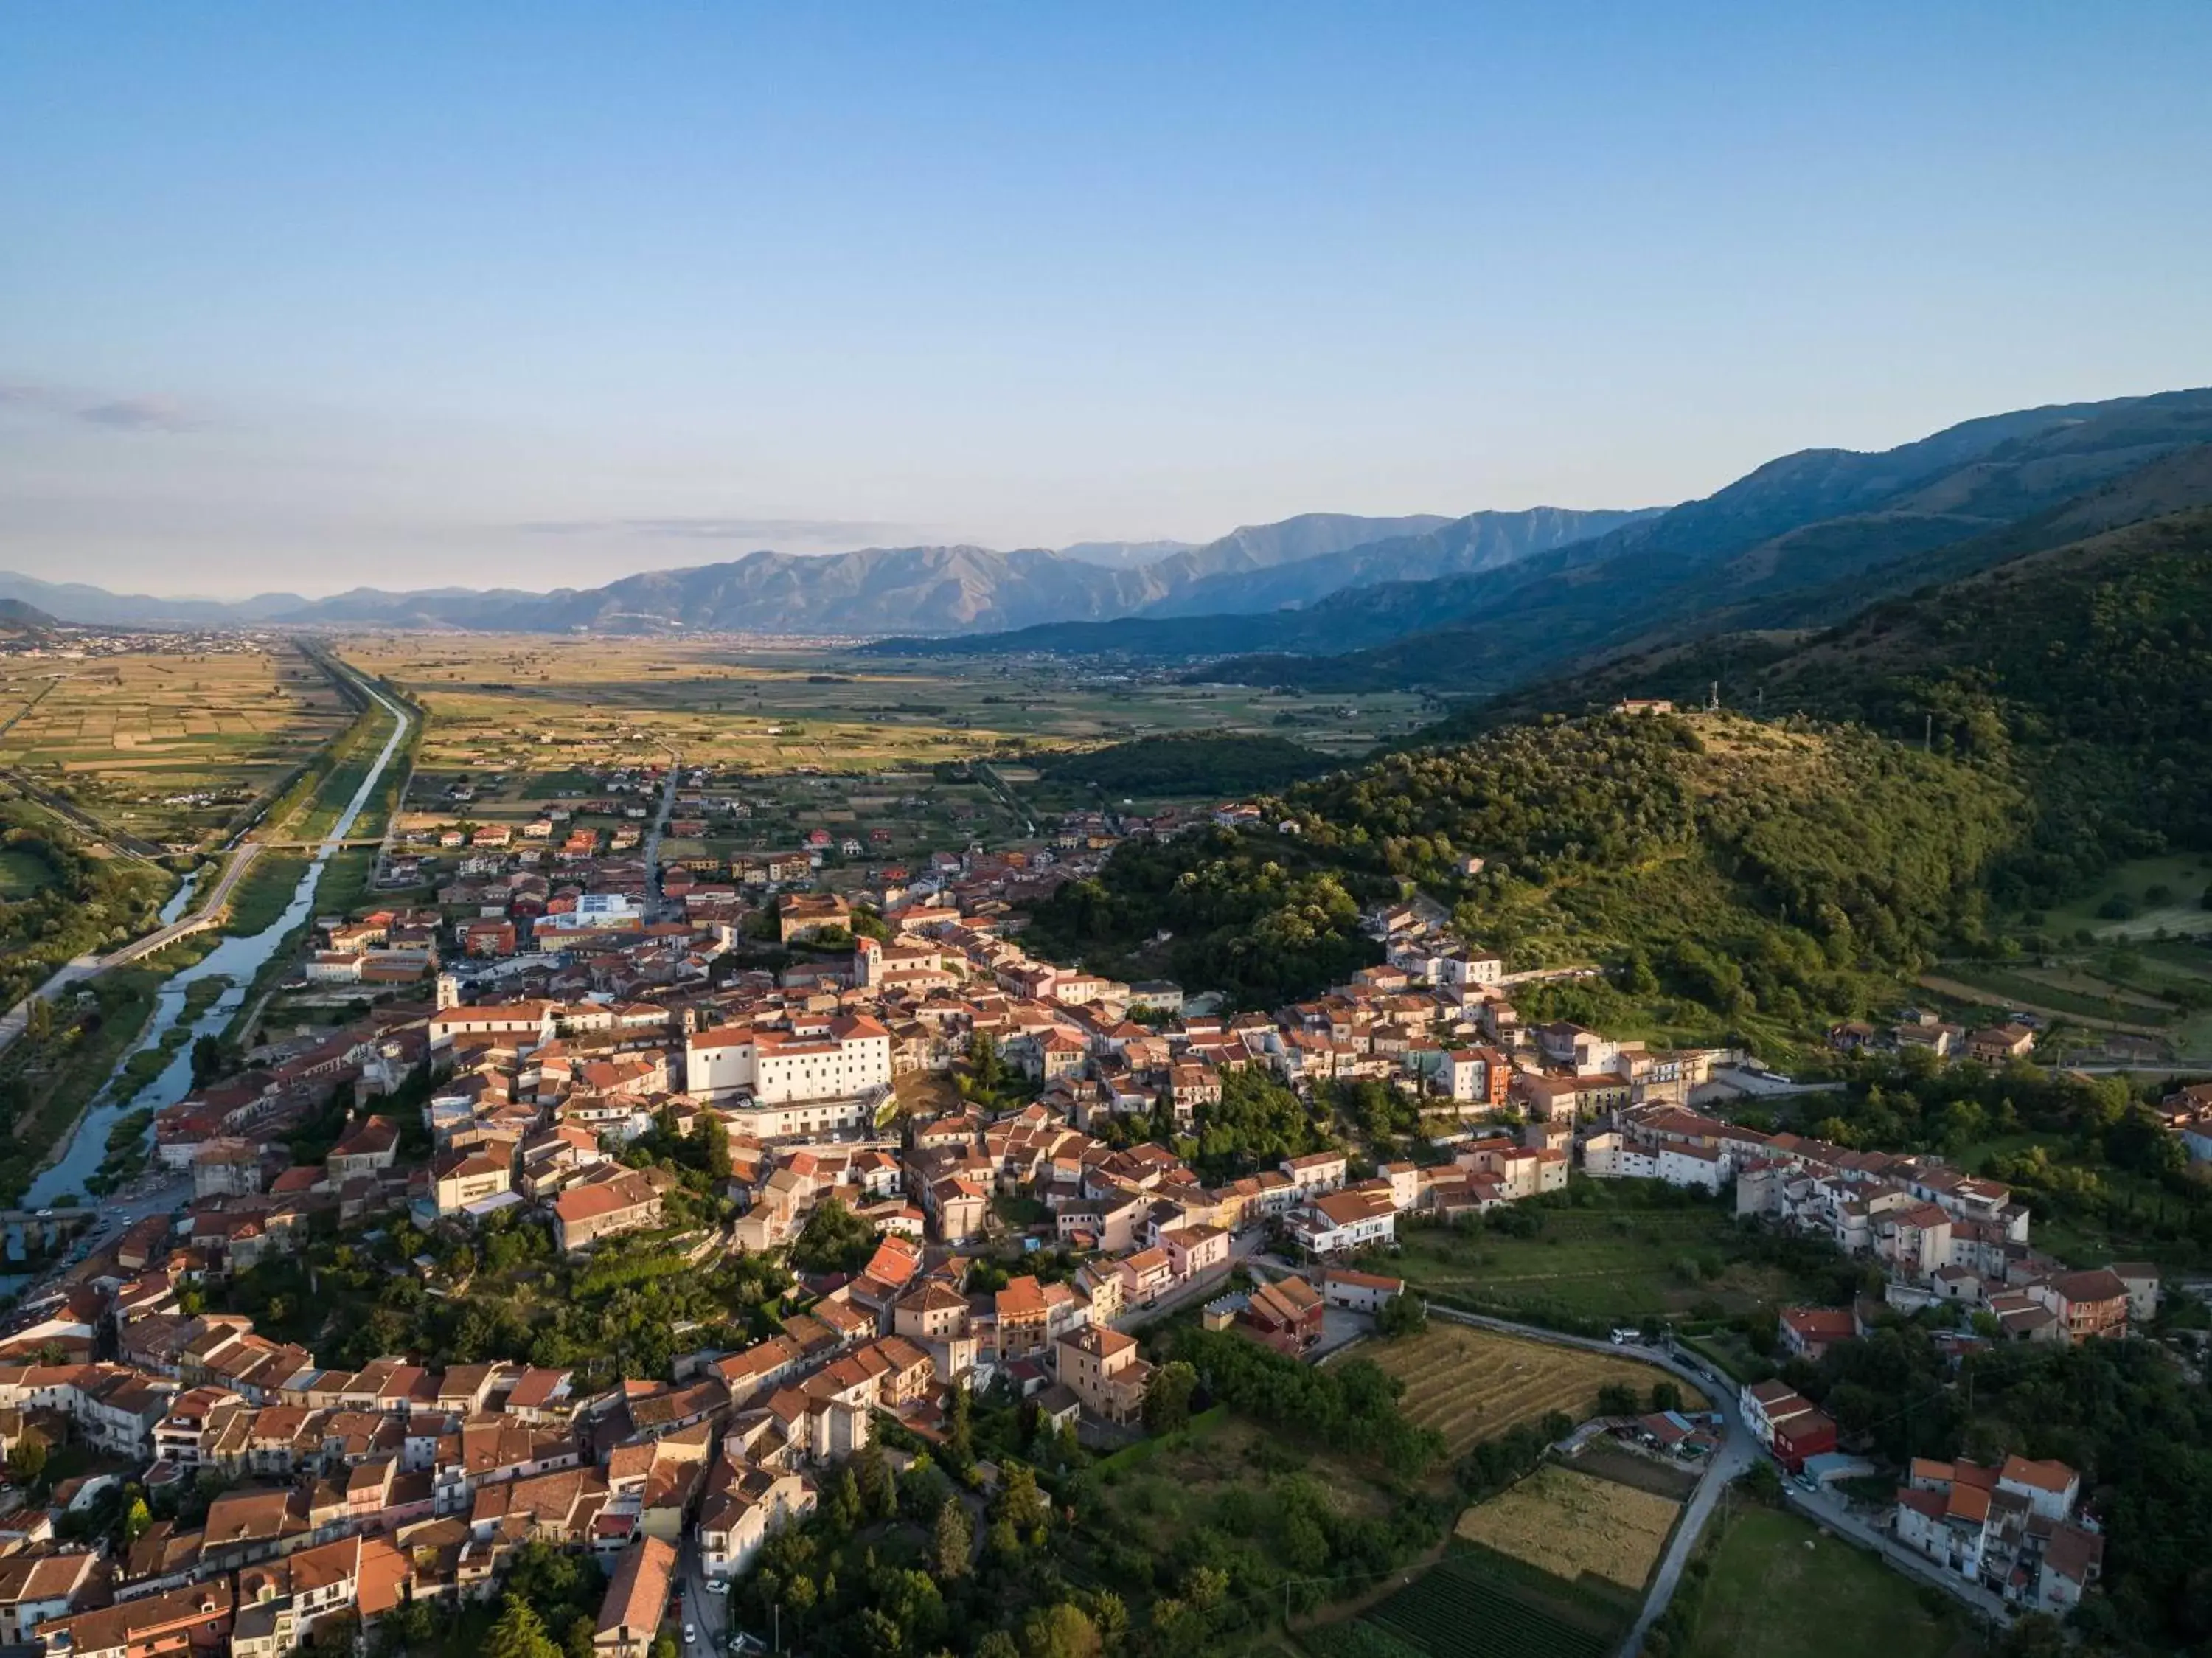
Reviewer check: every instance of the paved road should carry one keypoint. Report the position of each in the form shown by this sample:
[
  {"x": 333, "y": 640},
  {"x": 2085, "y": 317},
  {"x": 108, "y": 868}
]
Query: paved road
[
  {"x": 652, "y": 836},
  {"x": 705, "y": 1613}
]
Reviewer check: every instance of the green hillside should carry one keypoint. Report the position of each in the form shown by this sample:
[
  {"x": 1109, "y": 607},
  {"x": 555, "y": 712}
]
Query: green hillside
[
  {"x": 1730, "y": 876},
  {"x": 2083, "y": 675}
]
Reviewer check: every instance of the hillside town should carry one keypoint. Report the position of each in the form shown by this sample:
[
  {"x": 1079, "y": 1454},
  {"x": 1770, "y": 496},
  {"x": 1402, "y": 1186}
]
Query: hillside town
[{"x": 575, "y": 1012}]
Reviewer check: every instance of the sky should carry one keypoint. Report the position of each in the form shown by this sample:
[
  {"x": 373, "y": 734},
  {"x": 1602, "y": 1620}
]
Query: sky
[{"x": 312, "y": 297}]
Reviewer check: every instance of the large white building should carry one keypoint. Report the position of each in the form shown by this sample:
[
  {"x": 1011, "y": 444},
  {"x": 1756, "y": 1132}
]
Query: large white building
[{"x": 848, "y": 1057}]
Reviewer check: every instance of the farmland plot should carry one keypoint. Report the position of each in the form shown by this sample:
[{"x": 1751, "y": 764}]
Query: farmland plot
[
  {"x": 1472, "y": 1385},
  {"x": 1572, "y": 1525}
]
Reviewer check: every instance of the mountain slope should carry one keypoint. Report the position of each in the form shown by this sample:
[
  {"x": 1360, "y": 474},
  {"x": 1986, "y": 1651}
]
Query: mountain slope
[
  {"x": 2083, "y": 673},
  {"x": 1480, "y": 541},
  {"x": 1723, "y": 563}
]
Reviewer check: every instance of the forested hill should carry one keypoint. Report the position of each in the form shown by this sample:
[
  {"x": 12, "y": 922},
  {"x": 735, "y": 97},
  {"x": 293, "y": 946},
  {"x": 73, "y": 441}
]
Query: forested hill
[
  {"x": 1730, "y": 876},
  {"x": 2084, "y": 674}
]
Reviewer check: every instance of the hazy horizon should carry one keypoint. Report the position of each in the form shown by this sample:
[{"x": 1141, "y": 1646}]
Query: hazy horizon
[{"x": 426, "y": 297}]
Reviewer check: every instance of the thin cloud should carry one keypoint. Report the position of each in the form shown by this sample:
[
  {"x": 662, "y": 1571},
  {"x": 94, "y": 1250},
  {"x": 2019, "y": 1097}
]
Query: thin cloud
[
  {"x": 137, "y": 414},
  {"x": 114, "y": 414},
  {"x": 814, "y": 530}
]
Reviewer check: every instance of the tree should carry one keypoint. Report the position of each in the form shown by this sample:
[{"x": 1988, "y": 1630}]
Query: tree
[
  {"x": 1403, "y": 1315},
  {"x": 1021, "y": 1504},
  {"x": 716, "y": 1141},
  {"x": 835, "y": 1240},
  {"x": 1064, "y": 1631},
  {"x": 665, "y": 1646},
  {"x": 519, "y": 1633},
  {"x": 878, "y": 1490},
  {"x": 952, "y": 1540},
  {"x": 207, "y": 1060},
  {"x": 1167, "y": 1397},
  {"x": 137, "y": 1519},
  {"x": 28, "y": 1460},
  {"x": 1666, "y": 1396},
  {"x": 1764, "y": 1481},
  {"x": 960, "y": 1432},
  {"x": 1616, "y": 1399},
  {"x": 997, "y": 1643}
]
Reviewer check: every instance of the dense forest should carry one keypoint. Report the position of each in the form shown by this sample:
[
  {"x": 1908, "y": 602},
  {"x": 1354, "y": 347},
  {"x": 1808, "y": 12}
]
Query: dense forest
[
  {"x": 1728, "y": 873},
  {"x": 1211, "y": 763}
]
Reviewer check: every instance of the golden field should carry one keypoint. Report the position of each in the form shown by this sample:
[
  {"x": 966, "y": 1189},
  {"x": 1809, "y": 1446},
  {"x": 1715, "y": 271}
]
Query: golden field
[
  {"x": 1569, "y": 1524},
  {"x": 1474, "y": 1384}
]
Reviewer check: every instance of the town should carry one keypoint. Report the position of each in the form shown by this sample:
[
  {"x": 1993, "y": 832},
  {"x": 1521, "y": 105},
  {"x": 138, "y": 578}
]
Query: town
[{"x": 912, "y": 1084}]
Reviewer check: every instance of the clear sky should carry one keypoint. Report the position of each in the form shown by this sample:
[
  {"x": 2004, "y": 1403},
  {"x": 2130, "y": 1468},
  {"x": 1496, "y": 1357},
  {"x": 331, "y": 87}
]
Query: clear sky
[{"x": 313, "y": 296}]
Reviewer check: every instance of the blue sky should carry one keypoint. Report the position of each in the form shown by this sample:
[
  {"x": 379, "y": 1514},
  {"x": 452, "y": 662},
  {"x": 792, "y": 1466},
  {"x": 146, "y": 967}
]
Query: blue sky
[{"x": 310, "y": 297}]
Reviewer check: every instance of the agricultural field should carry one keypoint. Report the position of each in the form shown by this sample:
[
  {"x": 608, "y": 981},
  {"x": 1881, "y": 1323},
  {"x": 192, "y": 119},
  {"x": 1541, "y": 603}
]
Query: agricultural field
[
  {"x": 168, "y": 748},
  {"x": 521, "y": 705},
  {"x": 1780, "y": 1589},
  {"x": 1476, "y": 1603},
  {"x": 1575, "y": 1525},
  {"x": 1472, "y": 1384},
  {"x": 1619, "y": 1261}
]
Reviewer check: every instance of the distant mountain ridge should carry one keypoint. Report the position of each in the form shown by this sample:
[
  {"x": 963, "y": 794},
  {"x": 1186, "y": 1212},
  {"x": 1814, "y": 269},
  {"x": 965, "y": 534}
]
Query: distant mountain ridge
[
  {"x": 1800, "y": 541},
  {"x": 923, "y": 590}
]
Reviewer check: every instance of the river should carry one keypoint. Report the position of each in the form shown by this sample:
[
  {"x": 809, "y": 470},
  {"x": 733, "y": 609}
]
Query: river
[{"x": 237, "y": 959}]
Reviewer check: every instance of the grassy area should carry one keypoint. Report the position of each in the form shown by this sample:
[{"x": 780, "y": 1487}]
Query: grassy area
[
  {"x": 22, "y": 874},
  {"x": 1472, "y": 1384},
  {"x": 172, "y": 747},
  {"x": 2160, "y": 894},
  {"x": 260, "y": 897},
  {"x": 1621, "y": 1260},
  {"x": 1478, "y": 1603},
  {"x": 1779, "y": 1590},
  {"x": 2075, "y": 995}
]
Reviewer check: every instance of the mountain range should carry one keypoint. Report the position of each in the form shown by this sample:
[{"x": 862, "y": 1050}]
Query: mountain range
[
  {"x": 1802, "y": 541},
  {"x": 937, "y": 589}
]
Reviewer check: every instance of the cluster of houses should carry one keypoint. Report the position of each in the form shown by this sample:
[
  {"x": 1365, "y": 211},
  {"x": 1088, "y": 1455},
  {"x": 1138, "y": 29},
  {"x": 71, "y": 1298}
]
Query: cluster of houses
[{"x": 368, "y": 1489}]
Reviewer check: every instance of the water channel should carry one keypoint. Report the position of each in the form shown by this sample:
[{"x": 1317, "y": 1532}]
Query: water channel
[{"x": 237, "y": 959}]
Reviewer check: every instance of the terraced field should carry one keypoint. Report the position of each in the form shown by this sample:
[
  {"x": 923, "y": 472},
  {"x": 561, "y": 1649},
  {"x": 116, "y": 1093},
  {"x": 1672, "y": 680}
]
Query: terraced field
[{"x": 1472, "y": 1385}]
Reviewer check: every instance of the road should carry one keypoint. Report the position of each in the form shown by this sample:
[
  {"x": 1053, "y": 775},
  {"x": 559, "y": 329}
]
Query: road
[
  {"x": 705, "y": 1613},
  {"x": 652, "y": 836},
  {"x": 1736, "y": 1454}
]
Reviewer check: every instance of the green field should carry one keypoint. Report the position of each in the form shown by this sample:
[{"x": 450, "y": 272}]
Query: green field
[
  {"x": 2178, "y": 908},
  {"x": 1476, "y": 1603},
  {"x": 260, "y": 897},
  {"x": 1780, "y": 1589},
  {"x": 22, "y": 874},
  {"x": 1619, "y": 1261}
]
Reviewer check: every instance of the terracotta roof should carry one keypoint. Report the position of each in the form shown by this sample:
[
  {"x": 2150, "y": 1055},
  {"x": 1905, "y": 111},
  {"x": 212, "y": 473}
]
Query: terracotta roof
[{"x": 635, "y": 1599}]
